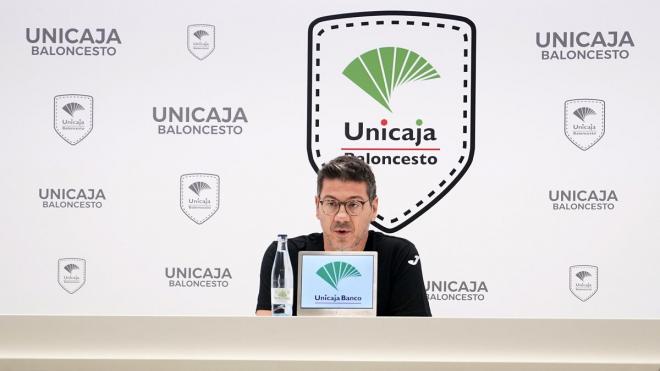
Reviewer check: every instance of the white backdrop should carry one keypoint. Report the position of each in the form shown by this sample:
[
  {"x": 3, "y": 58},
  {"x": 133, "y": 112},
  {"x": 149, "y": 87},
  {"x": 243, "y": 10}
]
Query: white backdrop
[{"x": 496, "y": 226}]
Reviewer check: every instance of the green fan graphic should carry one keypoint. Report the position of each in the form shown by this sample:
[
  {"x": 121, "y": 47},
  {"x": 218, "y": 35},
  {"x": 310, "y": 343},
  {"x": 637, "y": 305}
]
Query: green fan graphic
[
  {"x": 379, "y": 71},
  {"x": 334, "y": 272}
]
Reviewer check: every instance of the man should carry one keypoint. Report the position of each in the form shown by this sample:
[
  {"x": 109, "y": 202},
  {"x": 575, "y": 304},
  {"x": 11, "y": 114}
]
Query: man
[{"x": 346, "y": 203}]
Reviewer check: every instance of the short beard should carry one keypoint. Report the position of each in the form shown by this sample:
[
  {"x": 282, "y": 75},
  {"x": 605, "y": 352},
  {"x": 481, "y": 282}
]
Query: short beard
[{"x": 349, "y": 248}]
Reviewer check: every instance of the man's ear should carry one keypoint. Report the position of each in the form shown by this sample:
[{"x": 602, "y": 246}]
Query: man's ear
[
  {"x": 374, "y": 208},
  {"x": 316, "y": 202}
]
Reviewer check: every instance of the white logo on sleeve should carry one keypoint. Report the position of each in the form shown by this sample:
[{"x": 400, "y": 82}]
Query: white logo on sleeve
[{"x": 414, "y": 262}]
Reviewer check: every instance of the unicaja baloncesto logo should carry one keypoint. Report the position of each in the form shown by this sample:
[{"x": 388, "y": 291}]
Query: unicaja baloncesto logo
[
  {"x": 72, "y": 198},
  {"x": 209, "y": 277},
  {"x": 568, "y": 46},
  {"x": 201, "y": 40},
  {"x": 395, "y": 89},
  {"x": 199, "y": 120},
  {"x": 71, "y": 274},
  {"x": 335, "y": 272},
  {"x": 379, "y": 73},
  {"x": 583, "y": 281},
  {"x": 73, "y": 117},
  {"x": 583, "y": 199},
  {"x": 73, "y": 41},
  {"x": 456, "y": 290},
  {"x": 584, "y": 122},
  {"x": 199, "y": 196}
]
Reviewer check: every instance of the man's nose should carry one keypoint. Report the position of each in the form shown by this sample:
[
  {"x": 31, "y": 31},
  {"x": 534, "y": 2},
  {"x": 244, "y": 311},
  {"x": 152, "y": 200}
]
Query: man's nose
[{"x": 342, "y": 214}]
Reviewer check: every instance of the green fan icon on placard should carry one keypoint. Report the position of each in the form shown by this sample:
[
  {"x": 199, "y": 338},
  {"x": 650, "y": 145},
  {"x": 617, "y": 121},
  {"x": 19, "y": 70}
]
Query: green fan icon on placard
[
  {"x": 334, "y": 272},
  {"x": 379, "y": 71}
]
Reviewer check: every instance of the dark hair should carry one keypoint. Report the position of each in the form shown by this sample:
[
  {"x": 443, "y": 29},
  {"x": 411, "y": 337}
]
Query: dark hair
[{"x": 347, "y": 168}]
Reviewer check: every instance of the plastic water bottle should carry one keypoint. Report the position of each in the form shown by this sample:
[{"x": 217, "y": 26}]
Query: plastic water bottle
[{"x": 281, "y": 288}]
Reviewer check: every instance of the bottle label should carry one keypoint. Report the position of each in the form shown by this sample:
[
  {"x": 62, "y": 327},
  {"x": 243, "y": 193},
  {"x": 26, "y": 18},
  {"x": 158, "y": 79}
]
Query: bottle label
[{"x": 281, "y": 296}]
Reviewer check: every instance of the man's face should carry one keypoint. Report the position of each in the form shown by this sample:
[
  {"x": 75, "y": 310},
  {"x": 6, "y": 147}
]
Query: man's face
[{"x": 344, "y": 232}]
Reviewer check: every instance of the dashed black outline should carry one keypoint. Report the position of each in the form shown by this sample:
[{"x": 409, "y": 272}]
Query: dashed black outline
[
  {"x": 566, "y": 114},
  {"x": 56, "y": 112},
  {"x": 466, "y": 83},
  {"x": 201, "y": 175}
]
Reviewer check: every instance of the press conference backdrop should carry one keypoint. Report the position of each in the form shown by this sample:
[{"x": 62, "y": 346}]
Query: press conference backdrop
[{"x": 152, "y": 150}]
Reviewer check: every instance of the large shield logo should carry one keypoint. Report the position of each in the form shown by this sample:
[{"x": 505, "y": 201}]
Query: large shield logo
[
  {"x": 584, "y": 121},
  {"x": 397, "y": 90},
  {"x": 201, "y": 40},
  {"x": 200, "y": 196},
  {"x": 74, "y": 116},
  {"x": 583, "y": 281},
  {"x": 71, "y": 274}
]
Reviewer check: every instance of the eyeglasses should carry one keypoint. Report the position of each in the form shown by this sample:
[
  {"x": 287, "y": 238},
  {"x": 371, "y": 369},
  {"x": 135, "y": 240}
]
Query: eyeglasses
[{"x": 330, "y": 206}]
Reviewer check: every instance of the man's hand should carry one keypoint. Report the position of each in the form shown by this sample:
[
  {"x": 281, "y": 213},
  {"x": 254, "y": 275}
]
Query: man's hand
[{"x": 263, "y": 313}]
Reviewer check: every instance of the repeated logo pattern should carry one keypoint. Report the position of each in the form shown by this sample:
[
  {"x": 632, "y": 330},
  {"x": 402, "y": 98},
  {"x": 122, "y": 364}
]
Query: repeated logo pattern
[{"x": 392, "y": 77}]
